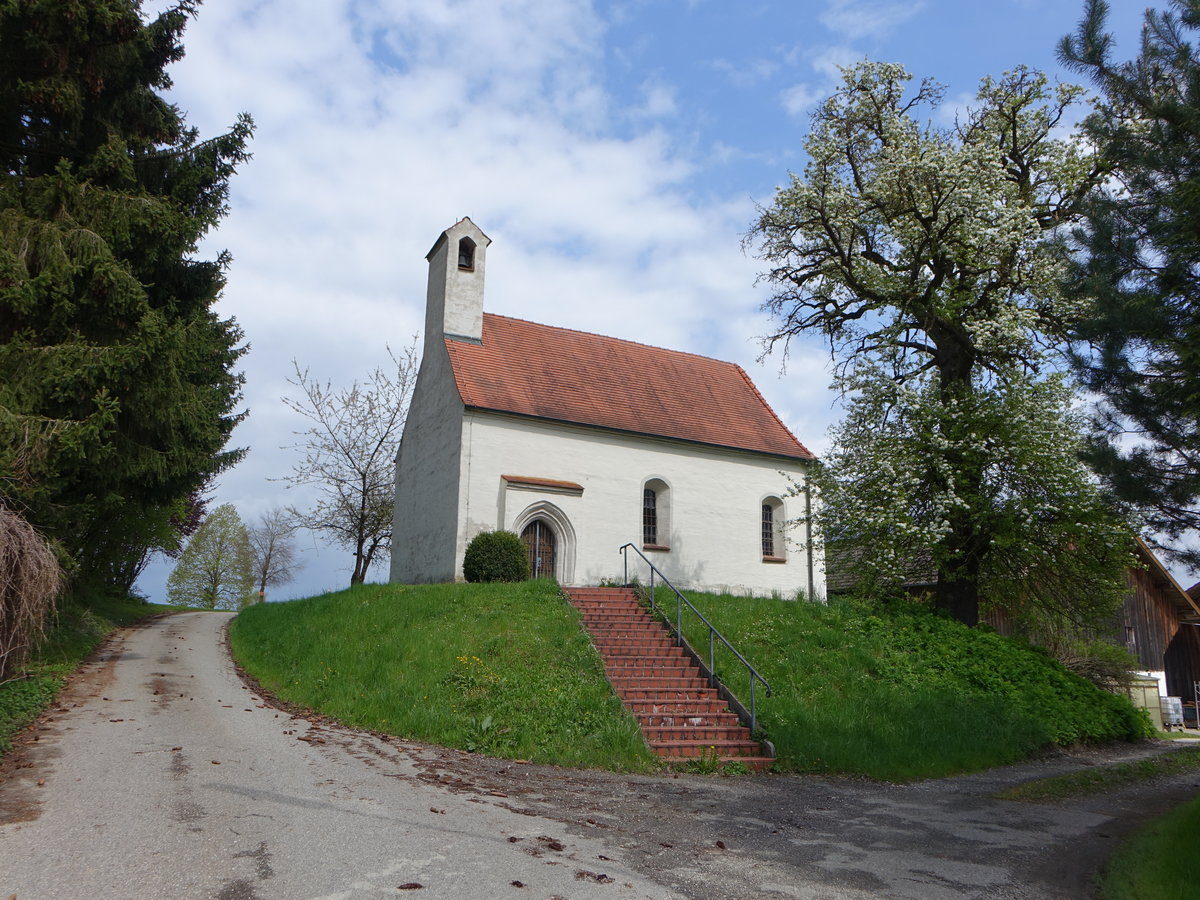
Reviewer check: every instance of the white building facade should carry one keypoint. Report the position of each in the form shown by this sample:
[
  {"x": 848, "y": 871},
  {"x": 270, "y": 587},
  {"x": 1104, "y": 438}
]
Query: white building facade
[{"x": 581, "y": 443}]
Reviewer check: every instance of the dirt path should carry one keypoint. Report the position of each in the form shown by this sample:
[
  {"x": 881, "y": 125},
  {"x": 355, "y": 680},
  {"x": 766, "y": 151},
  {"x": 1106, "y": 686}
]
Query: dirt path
[{"x": 164, "y": 775}]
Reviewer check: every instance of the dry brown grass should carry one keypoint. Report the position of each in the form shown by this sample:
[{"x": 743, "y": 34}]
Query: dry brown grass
[{"x": 30, "y": 579}]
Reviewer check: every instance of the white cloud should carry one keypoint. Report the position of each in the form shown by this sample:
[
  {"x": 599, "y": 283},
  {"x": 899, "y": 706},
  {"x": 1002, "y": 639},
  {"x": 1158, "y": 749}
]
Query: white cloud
[
  {"x": 379, "y": 124},
  {"x": 801, "y": 99},
  {"x": 658, "y": 101},
  {"x": 856, "y": 19},
  {"x": 749, "y": 73}
]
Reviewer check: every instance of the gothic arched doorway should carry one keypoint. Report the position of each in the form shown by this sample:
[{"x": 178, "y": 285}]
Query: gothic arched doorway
[{"x": 539, "y": 540}]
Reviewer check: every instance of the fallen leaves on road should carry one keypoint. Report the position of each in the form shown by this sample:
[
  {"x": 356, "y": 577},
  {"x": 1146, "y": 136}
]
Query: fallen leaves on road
[{"x": 598, "y": 877}]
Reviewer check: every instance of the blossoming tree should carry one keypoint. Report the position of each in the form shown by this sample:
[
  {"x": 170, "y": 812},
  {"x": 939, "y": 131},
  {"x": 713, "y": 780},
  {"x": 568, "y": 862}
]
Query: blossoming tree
[{"x": 930, "y": 258}]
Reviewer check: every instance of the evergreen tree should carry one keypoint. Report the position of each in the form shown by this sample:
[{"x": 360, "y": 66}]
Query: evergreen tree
[
  {"x": 1141, "y": 348},
  {"x": 928, "y": 258},
  {"x": 118, "y": 393},
  {"x": 216, "y": 568}
]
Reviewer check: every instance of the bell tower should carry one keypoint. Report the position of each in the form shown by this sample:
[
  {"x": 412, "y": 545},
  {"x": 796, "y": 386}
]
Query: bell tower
[{"x": 454, "y": 296}]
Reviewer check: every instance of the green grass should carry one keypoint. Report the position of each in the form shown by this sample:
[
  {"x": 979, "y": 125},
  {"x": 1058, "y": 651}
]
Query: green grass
[
  {"x": 1103, "y": 778},
  {"x": 75, "y": 633},
  {"x": 901, "y": 694},
  {"x": 503, "y": 669},
  {"x": 1159, "y": 861}
]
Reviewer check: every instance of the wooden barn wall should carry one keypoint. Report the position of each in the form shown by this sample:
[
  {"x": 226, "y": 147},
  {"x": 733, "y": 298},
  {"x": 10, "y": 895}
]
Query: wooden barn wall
[
  {"x": 1145, "y": 624},
  {"x": 1149, "y": 620},
  {"x": 1183, "y": 662}
]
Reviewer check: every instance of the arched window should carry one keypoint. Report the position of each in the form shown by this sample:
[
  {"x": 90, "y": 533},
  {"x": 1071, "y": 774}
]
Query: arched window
[
  {"x": 649, "y": 516},
  {"x": 656, "y": 514},
  {"x": 773, "y": 548},
  {"x": 466, "y": 253}
]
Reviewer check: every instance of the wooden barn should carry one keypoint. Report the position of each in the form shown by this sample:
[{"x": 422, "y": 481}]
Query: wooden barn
[{"x": 1161, "y": 623}]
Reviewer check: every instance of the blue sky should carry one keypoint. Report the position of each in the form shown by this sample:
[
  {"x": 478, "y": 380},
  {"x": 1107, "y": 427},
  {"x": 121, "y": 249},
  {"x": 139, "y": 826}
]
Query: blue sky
[{"x": 615, "y": 153}]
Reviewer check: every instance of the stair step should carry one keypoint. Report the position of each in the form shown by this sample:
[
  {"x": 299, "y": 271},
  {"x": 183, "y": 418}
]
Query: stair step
[
  {"x": 662, "y": 682},
  {"x": 700, "y": 749},
  {"x": 692, "y": 718},
  {"x": 660, "y": 695},
  {"x": 642, "y": 668},
  {"x": 644, "y": 649},
  {"x": 681, "y": 717},
  {"x": 699, "y": 708},
  {"x": 616, "y": 660},
  {"x": 658, "y": 734}
]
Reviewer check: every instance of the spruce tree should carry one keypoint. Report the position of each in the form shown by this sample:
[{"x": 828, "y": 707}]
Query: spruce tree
[
  {"x": 119, "y": 389},
  {"x": 1140, "y": 350}
]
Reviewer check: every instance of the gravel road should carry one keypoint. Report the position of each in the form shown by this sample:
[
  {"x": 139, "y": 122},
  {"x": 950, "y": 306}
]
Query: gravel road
[{"x": 161, "y": 774}]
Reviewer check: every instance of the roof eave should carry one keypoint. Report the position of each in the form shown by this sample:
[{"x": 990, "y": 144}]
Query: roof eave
[{"x": 662, "y": 437}]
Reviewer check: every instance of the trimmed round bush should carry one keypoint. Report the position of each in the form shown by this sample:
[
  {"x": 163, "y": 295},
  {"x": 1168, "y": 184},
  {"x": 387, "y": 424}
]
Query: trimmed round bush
[{"x": 496, "y": 556}]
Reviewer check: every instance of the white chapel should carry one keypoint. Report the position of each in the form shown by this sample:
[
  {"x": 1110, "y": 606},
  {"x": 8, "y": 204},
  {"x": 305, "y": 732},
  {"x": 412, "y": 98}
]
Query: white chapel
[{"x": 581, "y": 443}]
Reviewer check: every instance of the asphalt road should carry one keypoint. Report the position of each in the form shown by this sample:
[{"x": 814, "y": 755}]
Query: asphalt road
[{"x": 160, "y": 774}]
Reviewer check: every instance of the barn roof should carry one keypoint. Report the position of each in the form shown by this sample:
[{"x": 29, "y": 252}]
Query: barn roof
[
  {"x": 1185, "y": 603},
  {"x": 571, "y": 376}
]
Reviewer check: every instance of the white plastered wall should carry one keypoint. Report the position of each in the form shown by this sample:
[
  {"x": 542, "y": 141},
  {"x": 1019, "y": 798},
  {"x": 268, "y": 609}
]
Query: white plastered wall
[
  {"x": 716, "y": 499},
  {"x": 426, "y": 510}
]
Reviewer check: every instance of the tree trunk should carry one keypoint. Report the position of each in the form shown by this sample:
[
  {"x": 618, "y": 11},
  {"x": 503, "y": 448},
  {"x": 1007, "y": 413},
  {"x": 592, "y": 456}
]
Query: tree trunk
[{"x": 959, "y": 599}]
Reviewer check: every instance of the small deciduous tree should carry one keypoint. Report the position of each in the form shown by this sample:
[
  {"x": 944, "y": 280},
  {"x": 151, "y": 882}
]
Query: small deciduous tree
[
  {"x": 349, "y": 455},
  {"x": 216, "y": 568},
  {"x": 930, "y": 259},
  {"x": 273, "y": 546}
]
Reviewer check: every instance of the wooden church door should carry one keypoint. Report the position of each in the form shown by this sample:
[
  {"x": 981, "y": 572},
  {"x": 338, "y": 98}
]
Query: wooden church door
[{"x": 539, "y": 539}]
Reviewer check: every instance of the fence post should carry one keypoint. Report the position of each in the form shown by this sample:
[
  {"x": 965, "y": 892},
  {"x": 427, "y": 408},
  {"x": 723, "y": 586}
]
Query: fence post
[{"x": 712, "y": 661}]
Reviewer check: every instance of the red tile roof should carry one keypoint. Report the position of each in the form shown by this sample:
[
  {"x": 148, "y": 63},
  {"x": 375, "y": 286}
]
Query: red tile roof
[{"x": 572, "y": 376}]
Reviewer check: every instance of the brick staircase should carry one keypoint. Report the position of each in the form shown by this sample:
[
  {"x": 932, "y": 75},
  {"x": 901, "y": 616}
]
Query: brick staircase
[{"x": 681, "y": 716}]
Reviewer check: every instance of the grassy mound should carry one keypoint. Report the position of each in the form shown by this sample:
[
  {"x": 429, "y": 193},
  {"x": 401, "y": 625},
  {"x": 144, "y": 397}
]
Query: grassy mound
[
  {"x": 75, "y": 633},
  {"x": 903, "y": 694},
  {"x": 503, "y": 669}
]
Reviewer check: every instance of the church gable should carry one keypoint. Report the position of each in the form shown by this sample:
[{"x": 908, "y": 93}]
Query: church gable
[{"x": 562, "y": 375}]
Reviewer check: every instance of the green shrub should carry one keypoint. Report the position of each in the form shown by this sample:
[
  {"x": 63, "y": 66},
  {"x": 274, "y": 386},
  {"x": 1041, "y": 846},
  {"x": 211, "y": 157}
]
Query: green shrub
[{"x": 496, "y": 556}]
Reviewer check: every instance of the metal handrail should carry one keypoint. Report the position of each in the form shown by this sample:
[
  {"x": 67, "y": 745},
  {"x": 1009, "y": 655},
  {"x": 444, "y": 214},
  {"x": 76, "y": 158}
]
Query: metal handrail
[{"x": 713, "y": 634}]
